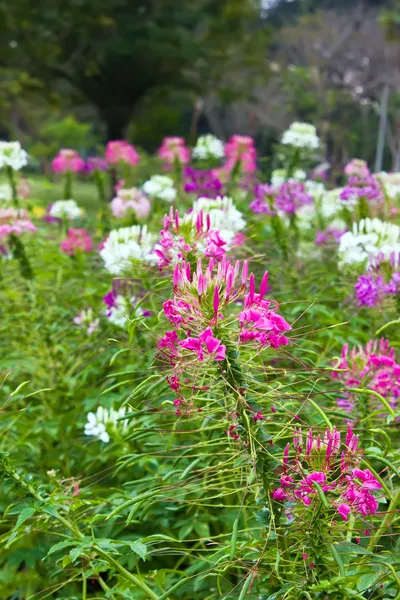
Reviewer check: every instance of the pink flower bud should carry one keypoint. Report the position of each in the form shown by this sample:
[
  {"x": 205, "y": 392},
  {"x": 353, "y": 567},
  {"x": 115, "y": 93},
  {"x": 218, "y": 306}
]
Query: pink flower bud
[
  {"x": 245, "y": 272},
  {"x": 264, "y": 285},
  {"x": 216, "y": 301}
]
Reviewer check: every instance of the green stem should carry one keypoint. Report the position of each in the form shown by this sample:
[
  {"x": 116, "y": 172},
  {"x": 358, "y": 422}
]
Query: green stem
[
  {"x": 19, "y": 253},
  {"x": 373, "y": 393},
  {"x": 132, "y": 578},
  {"x": 387, "y": 521},
  {"x": 395, "y": 322},
  {"x": 68, "y": 185},
  {"x": 13, "y": 186}
]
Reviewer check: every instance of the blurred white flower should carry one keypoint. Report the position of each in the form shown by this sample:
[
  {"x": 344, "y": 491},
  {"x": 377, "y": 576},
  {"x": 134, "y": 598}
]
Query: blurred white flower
[
  {"x": 223, "y": 215},
  {"x": 301, "y": 135},
  {"x": 103, "y": 421},
  {"x": 85, "y": 319},
  {"x": 66, "y": 209},
  {"x": 208, "y": 146},
  {"x": 279, "y": 176},
  {"x": 368, "y": 238},
  {"x": 391, "y": 184},
  {"x": 126, "y": 244},
  {"x": 119, "y": 313},
  {"x": 12, "y": 155},
  {"x": 160, "y": 186},
  {"x": 5, "y": 194}
]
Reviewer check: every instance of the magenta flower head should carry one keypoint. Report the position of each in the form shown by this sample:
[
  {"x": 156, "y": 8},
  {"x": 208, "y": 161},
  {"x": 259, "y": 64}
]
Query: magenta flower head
[
  {"x": 185, "y": 238},
  {"x": 172, "y": 150},
  {"x": 119, "y": 151},
  {"x": 68, "y": 160},
  {"x": 202, "y": 183},
  {"x": 241, "y": 153},
  {"x": 373, "y": 367},
  {"x": 78, "y": 240},
  {"x": 330, "y": 467},
  {"x": 208, "y": 324}
]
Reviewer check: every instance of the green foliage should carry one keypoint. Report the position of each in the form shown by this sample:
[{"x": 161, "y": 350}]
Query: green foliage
[{"x": 173, "y": 507}]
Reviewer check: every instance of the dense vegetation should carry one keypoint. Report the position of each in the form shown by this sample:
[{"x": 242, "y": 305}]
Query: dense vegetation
[{"x": 176, "y": 424}]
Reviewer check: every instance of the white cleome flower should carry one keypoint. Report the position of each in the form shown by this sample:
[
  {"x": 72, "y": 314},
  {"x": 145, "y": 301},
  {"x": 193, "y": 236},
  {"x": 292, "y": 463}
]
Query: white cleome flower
[
  {"x": 12, "y": 155},
  {"x": 279, "y": 176},
  {"x": 126, "y": 244},
  {"x": 100, "y": 423},
  {"x": 66, "y": 209},
  {"x": 5, "y": 194},
  {"x": 123, "y": 307},
  {"x": 391, "y": 184},
  {"x": 160, "y": 186},
  {"x": 224, "y": 216},
  {"x": 368, "y": 238},
  {"x": 301, "y": 135},
  {"x": 208, "y": 146}
]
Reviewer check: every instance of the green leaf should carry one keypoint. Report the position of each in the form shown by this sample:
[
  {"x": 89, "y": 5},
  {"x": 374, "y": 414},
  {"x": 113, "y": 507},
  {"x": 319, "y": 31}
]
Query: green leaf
[
  {"x": 24, "y": 515},
  {"x": 139, "y": 548},
  {"x": 349, "y": 548},
  {"x": 61, "y": 546}
]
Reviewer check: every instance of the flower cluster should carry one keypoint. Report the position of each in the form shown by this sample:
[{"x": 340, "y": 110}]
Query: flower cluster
[
  {"x": 382, "y": 279},
  {"x": 173, "y": 150},
  {"x": 104, "y": 422},
  {"x": 287, "y": 199},
  {"x": 125, "y": 245},
  {"x": 77, "y": 240},
  {"x": 301, "y": 135},
  {"x": 85, "y": 319},
  {"x": 68, "y": 160},
  {"x": 322, "y": 465},
  {"x": 120, "y": 306},
  {"x": 201, "y": 182},
  {"x": 160, "y": 186},
  {"x": 240, "y": 154},
  {"x": 12, "y": 155},
  {"x": 208, "y": 147},
  {"x": 65, "y": 209},
  {"x": 130, "y": 200},
  {"x": 188, "y": 237},
  {"x": 119, "y": 151},
  {"x": 14, "y": 221},
  {"x": 361, "y": 185},
  {"x": 391, "y": 184},
  {"x": 373, "y": 367},
  {"x": 199, "y": 311},
  {"x": 222, "y": 216},
  {"x": 368, "y": 239},
  {"x": 260, "y": 321},
  {"x": 95, "y": 163}
]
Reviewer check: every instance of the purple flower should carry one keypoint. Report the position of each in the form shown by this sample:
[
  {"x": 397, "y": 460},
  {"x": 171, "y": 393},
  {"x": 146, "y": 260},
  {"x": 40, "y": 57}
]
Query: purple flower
[
  {"x": 368, "y": 290},
  {"x": 109, "y": 299},
  {"x": 291, "y": 196},
  {"x": 204, "y": 183},
  {"x": 95, "y": 163}
]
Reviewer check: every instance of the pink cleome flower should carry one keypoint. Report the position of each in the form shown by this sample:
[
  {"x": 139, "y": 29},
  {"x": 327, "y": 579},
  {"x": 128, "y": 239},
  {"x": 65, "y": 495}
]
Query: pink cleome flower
[
  {"x": 173, "y": 150},
  {"x": 68, "y": 160},
  {"x": 120, "y": 151},
  {"x": 78, "y": 240},
  {"x": 350, "y": 491}
]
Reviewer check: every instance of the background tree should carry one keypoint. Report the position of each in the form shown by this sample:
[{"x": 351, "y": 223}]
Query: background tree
[{"x": 114, "y": 53}]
